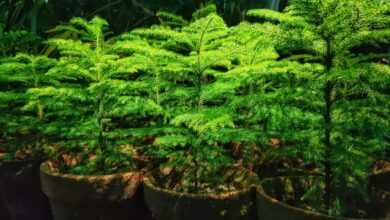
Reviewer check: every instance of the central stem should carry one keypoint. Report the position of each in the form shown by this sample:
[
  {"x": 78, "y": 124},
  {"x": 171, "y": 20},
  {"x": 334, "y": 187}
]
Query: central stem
[
  {"x": 199, "y": 70},
  {"x": 100, "y": 95},
  {"x": 198, "y": 84},
  {"x": 328, "y": 145},
  {"x": 100, "y": 120},
  {"x": 328, "y": 91},
  {"x": 40, "y": 108}
]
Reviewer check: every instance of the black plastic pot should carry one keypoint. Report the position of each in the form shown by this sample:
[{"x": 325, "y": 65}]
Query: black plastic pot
[
  {"x": 269, "y": 208},
  {"x": 3, "y": 211},
  {"x": 170, "y": 205},
  {"x": 21, "y": 191},
  {"x": 380, "y": 192},
  {"x": 108, "y": 197}
]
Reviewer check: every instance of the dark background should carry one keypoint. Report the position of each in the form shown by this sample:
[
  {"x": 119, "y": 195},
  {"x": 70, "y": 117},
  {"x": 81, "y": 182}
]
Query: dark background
[{"x": 41, "y": 15}]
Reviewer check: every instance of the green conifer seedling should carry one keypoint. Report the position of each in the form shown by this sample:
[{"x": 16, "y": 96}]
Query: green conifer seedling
[
  {"x": 99, "y": 104},
  {"x": 22, "y": 121},
  {"x": 193, "y": 98},
  {"x": 350, "y": 40}
]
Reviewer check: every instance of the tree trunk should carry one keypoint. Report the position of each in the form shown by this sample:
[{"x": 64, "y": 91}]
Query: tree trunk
[
  {"x": 328, "y": 91},
  {"x": 327, "y": 144}
]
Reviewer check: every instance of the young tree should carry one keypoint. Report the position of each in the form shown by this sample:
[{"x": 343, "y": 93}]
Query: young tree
[
  {"x": 271, "y": 120},
  {"x": 350, "y": 40},
  {"x": 21, "y": 123},
  {"x": 194, "y": 98},
  {"x": 98, "y": 105}
]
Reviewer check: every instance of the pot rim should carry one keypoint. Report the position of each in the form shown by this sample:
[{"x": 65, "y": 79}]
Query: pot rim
[
  {"x": 20, "y": 161},
  {"x": 44, "y": 169},
  {"x": 215, "y": 196},
  {"x": 387, "y": 172},
  {"x": 260, "y": 191}
]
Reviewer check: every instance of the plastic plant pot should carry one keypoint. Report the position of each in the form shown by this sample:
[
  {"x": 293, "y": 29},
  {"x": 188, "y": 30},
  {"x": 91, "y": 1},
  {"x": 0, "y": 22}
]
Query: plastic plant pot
[
  {"x": 3, "y": 211},
  {"x": 106, "y": 197},
  {"x": 171, "y": 205},
  {"x": 269, "y": 208},
  {"x": 21, "y": 191}
]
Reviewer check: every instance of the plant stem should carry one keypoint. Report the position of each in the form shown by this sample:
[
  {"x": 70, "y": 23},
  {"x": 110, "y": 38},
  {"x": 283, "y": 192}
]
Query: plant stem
[
  {"x": 100, "y": 120},
  {"x": 328, "y": 91},
  {"x": 40, "y": 108},
  {"x": 158, "y": 87},
  {"x": 198, "y": 81},
  {"x": 36, "y": 85},
  {"x": 328, "y": 145},
  {"x": 34, "y": 18},
  {"x": 100, "y": 95},
  {"x": 196, "y": 164},
  {"x": 199, "y": 69}
]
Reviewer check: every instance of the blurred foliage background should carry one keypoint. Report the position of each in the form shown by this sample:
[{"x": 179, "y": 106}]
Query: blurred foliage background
[
  {"x": 39, "y": 16},
  {"x": 25, "y": 24}
]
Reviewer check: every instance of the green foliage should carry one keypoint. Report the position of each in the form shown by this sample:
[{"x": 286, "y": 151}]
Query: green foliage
[
  {"x": 345, "y": 102},
  {"x": 189, "y": 62},
  {"x": 16, "y": 41},
  {"x": 100, "y": 102},
  {"x": 205, "y": 11},
  {"x": 171, "y": 20},
  {"x": 22, "y": 121},
  {"x": 308, "y": 88},
  {"x": 272, "y": 100},
  {"x": 43, "y": 15}
]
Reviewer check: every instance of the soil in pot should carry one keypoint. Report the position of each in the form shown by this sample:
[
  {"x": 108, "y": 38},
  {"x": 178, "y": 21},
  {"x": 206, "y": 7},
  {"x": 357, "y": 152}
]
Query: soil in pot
[
  {"x": 21, "y": 191},
  {"x": 282, "y": 198},
  {"x": 106, "y": 197},
  {"x": 171, "y": 205}
]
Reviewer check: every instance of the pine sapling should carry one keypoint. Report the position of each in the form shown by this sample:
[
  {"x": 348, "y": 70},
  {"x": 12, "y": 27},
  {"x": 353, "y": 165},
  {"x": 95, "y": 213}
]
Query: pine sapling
[{"x": 22, "y": 120}]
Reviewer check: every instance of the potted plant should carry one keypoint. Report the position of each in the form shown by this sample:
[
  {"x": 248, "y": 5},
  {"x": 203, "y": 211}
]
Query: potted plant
[
  {"x": 21, "y": 137},
  {"x": 346, "y": 39},
  {"x": 97, "y": 107},
  {"x": 195, "y": 176},
  {"x": 272, "y": 132}
]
